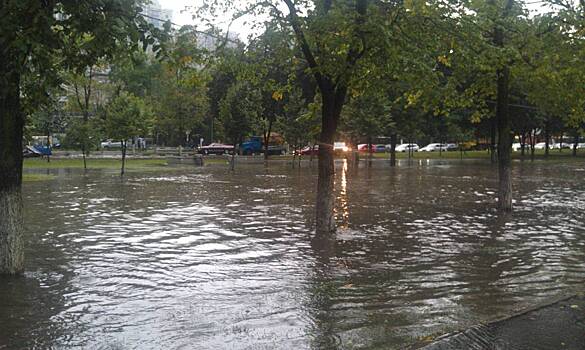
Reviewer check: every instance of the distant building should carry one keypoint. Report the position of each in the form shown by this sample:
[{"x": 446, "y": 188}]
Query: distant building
[
  {"x": 211, "y": 41},
  {"x": 156, "y": 15}
]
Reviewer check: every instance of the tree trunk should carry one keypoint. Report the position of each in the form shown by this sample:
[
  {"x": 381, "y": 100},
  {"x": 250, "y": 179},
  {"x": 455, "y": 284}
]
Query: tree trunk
[
  {"x": 325, "y": 219},
  {"x": 504, "y": 141},
  {"x": 355, "y": 154},
  {"x": 504, "y": 128},
  {"x": 300, "y": 156},
  {"x": 123, "y": 157},
  {"x": 532, "y": 144},
  {"x": 11, "y": 208},
  {"x": 546, "y": 139},
  {"x": 233, "y": 161},
  {"x": 83, "y": 155},
  {"x": 493, "y": 141},
  {"x": 267, "y": 138},
  {"x": 49, "y": 144},
  {"x": 393, "y": 140},
  {"x": 523, "y": 144},
  {"x": 369, "y": 151},
  {"x": 461, "y": 150}
]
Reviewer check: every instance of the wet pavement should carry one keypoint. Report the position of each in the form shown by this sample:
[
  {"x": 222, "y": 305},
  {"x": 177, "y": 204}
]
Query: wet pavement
[
  {"x": 560, "y": 325},
  {"x": 202, "y": 258}
]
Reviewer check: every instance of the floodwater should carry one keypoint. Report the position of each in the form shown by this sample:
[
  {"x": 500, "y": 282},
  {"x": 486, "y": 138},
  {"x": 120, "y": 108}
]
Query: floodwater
[{"x": 200, "y": 258}]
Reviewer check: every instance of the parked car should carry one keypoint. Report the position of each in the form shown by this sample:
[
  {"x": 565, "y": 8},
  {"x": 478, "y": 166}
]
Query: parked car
[
  {"x": 363, "y": 147},
  {"x": 379, "y": 148},
  {"x": 433, "y": 147},
  {"x": 36, "y": 151},
  {"x": 516, "y": 146},
  {"x": 405, "y": 147},
  {"x": 308, "y": 150},
  {"x": 216, "y": 148},
  {"x": 563, "y": 145},
  {"x": 340, "y": 147},
  {"x": 451, "y": 147},
  {"x": 540, "y": 145},
  {"x": 552, "y": 145},
  {"x": 111, "y": 144},
  {"x": 256, "y": 145},
  {"x": 581, "y": 145}
]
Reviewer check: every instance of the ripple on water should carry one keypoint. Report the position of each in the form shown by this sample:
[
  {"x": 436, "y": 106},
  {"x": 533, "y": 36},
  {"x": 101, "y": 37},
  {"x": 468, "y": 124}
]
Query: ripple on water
[{"x": 208, "y": 259}]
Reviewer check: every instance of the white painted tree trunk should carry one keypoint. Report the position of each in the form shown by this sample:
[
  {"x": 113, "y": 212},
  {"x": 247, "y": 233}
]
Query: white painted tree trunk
[{"x": 11, "y": 227}]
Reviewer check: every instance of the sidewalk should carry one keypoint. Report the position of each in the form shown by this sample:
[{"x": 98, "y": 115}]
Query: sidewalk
[{"x": 560, "y": 325}]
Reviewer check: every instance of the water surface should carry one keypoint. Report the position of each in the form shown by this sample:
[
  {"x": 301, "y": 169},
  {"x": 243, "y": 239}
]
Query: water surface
[{"x": 201, "y": 258}]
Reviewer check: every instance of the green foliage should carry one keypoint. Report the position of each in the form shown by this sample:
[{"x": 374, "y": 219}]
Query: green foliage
[
  {"x": 39, "y": 39},
  {"x": 139, "y": 74},
  {"x": 126, "y": 117},
  {"x": 175, "y": 86},
  {"x": 425, "y": 70},
  {"x": 48, "y": 118},
  {"x": 367, "y": 115},
  {"x": 82, "y": 134},
  {"x": 300, "y": 123},
  {"x": 239, "y": 110}
]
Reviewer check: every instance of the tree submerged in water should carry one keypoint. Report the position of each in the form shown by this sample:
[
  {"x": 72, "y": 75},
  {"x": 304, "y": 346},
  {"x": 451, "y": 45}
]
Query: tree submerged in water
[{"x": 35, "y": 37}]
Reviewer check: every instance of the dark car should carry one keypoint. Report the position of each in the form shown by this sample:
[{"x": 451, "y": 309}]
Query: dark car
[
  {"x": 308, "y": 150},
  {"x": 451, "y": 147},
  {"x": 216, "y": 148},
  {"x": 363, "y": 147},
  {"x": 379, "y": 148}
]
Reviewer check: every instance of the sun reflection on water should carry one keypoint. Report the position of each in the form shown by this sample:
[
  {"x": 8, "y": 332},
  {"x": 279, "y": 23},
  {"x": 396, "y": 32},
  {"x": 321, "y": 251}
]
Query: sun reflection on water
[{"x": 342, "y": 210}]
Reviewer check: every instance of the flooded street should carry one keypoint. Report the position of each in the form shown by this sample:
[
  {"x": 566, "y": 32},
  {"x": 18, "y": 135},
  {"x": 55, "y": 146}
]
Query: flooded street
[{"x": 201, "y": 258}]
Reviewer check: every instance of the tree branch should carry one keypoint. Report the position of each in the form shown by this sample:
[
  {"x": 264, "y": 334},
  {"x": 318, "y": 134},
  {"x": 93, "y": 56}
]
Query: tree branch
[
  {"x": 294, "y": 21},
  {"x": 355, "y": 53}
]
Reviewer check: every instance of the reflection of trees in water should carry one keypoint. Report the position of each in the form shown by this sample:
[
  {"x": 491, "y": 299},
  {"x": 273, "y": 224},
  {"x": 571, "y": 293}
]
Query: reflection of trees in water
[
  {"x": 415, "y": 279},
  {"x": 497, "y": 266},
  {"x": 478, "y": 265},
  {"x": 357, "y": 299},
  {"x": 355, "y": 296},
  {"x": 322, "y": 290},
  {"x": 33, "y": 307},
  {"x": 31, "y": 310}
]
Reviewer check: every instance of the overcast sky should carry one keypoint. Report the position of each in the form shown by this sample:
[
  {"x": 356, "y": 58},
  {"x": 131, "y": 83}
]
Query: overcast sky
[{"x": 182, "y": 17}]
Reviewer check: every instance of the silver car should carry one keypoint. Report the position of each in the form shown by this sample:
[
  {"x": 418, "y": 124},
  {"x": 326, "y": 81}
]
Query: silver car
[
  {"x": 432, "y": 147},
  {"x": 405, "y": 147}
]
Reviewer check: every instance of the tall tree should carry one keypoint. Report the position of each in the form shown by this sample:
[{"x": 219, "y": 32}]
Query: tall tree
[
  {"x": 239, "y": 111},
  {"x": 34, "y": 37},
  {"x": 84, "y": 88},
  {"x": 332, "y": 62},
  {"x": 127, "y": 117},
  {"x": 483, "y": 64}
]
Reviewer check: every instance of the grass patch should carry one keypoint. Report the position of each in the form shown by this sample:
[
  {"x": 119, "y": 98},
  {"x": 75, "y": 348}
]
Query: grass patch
[
  {"x": 37, "y": 163},
  {"x": 214, "y": 160},
  {"x": 539, "y": 154},
  {"x": 37, "y": 177}
]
